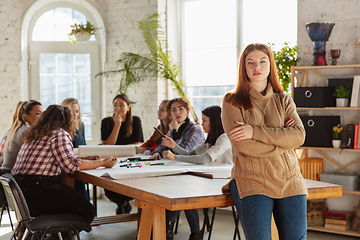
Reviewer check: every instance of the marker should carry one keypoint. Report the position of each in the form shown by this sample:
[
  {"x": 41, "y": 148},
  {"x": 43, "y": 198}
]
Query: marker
[
  {"x": 125, "y": 165},
  {"x": 132, "y": 166},
  {"x": 114, "y": 159},
  {"x": 153, "y": 164},
  {"x": 159, "y": 132}
]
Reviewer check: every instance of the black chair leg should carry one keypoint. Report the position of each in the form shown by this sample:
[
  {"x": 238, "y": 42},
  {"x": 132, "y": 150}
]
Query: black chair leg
[
  {"x": 212, "y": 223},
  {"x": 177, "y": 224},
  {"x": 95, "y": 199},
  {"x": 236, "y": 220}
]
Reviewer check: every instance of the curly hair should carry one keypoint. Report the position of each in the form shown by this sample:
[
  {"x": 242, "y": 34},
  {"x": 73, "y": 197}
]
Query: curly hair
[{"x": 54, "y": 117}]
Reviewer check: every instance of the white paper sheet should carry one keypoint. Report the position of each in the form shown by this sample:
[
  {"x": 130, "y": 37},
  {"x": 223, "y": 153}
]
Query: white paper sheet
[
  {"x": 106, "y": 150},
  {"x": 169, "y": 168}
]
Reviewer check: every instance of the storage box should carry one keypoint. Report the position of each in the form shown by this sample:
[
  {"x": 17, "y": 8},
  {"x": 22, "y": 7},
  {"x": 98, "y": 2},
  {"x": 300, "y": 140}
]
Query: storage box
[
  {"x": 347, "y": 180},
  {"x": 319, "y": 130},
  {"x": 314, "y": 97}
]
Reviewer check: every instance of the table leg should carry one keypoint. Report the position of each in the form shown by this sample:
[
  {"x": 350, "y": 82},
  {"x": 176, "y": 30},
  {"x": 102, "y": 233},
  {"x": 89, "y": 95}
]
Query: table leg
[
  {"x": 274, "y": 231},
  {"x": 152, "y": 217}
]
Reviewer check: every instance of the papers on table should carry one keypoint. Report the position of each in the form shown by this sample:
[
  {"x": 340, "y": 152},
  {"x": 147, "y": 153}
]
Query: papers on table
[
  {"x": 169, "y": 168},
  {"x": 106, "y": 150}
]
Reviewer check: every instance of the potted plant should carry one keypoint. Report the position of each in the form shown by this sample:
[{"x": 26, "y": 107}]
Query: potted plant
[
  {"x": 336, "y": 136},
  {"x": 284, "y": 59},
  {"x": 342, "y": 95},
  {"x": 82, "y": 32}
]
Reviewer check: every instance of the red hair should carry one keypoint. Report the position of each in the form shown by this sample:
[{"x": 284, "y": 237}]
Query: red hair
[{"x": 240, "y": 97}]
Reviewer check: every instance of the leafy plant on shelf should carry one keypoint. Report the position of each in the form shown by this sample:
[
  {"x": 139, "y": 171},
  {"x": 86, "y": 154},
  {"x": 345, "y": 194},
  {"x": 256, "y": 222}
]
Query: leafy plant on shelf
[
  {"x": 284, "y": 59},
  {"x": 87, "y": 28},
  {"x": 341, "y": 92},
  {"x": 336, "y": 132}
]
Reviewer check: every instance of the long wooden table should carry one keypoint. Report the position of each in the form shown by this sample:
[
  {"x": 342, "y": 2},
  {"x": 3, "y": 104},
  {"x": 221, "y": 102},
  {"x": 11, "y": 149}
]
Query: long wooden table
[{"x": 180, "y": 192}]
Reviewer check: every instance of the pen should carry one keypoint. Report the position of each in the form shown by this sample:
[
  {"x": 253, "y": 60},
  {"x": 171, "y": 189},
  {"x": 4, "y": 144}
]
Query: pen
[
  {"x": 124, "y": 165},
  {"x": 114, "y": 159},
  {"x": 152, "y": 164}
]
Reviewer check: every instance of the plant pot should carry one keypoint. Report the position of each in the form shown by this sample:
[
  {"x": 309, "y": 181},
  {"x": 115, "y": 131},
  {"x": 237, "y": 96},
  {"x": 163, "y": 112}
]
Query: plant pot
[
  {"x": 336, "y": 143},
  {"x": 82, "y": 36},
  {"x": 342, "y": 102}
]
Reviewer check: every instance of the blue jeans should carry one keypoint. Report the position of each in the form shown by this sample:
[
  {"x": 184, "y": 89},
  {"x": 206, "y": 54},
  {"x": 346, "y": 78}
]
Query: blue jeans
[
  {"x": 192, "y": 217},
  {"x": 255, "y": 215}
]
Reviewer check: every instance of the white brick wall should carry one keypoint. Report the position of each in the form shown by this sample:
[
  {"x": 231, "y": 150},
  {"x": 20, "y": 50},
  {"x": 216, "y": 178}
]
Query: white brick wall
[
  {"x": 120, "y": 18},
  {"x": 346, "y": 31}
]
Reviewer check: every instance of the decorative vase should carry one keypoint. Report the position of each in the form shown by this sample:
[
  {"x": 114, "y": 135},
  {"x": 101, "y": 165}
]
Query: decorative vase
[
  {"x": 82, "y": 36},
  {"x": 336, "y": 143},
  {"x": 319, "y": 33},
  {"x": 342, "y": 102}
]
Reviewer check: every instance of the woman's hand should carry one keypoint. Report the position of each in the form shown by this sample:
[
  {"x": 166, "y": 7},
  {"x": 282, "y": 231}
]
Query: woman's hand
[
  {"x": 139, "y": 149},
  {"x": 168, "y": 154},
  {"x": 174, "y": 125},
  {"x": 109, "y": 162},
  {"x": 241, "y": 132},
  {"x": 117, "y": 120},
  {"x": 289, "y": 123},
  {"x": 155, "y": 156},
  {"x": 169, "y": 142}
]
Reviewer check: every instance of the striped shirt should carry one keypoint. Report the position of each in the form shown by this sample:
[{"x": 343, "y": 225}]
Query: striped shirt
[{"x": 47, "y": 156}]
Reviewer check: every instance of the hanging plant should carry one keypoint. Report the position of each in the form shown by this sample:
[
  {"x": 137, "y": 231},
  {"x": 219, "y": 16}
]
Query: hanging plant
[{"x": 82, "y": 32}]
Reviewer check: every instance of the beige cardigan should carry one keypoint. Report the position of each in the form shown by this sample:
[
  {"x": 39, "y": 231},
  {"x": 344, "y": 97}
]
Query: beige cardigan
[{"x": 266, "y": 164}]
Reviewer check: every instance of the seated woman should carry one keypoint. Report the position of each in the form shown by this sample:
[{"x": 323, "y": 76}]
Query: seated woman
[
  {"x": 215, "y": 150},
  {"x": 78, "y": 136},
  {"x": 46, "y": 152},
  {"x": 121, "y": 129},
  {"x": 28, "y": 114},
  {"x": 187, "y": 135},
  {"x": 156, "y": 139}
]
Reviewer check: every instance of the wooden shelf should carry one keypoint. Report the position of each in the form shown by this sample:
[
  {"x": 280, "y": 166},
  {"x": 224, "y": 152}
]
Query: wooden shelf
[
  {"x": 351, "y": 192},
  {"x": 323, "y": 229},
  {"x": 328, "y": 108},
  {"x": 327, "y": 66},
  {"x": 330, "y": 149}
]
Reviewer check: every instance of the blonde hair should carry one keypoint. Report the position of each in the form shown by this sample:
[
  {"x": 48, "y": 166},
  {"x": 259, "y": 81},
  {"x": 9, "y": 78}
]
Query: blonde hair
[
  {"x": 18, "y": 119},
  {"x": 68, "y": 103}
]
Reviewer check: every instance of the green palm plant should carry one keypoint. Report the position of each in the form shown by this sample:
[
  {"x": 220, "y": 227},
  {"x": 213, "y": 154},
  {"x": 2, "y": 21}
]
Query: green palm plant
[{"x": 135, "y": 68}]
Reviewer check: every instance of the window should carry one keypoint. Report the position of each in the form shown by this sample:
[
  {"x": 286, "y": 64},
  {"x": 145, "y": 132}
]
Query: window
[
  {"x": 55, "y": 24},
  {"x": 211, "y": 41},
  {"x": 60, "y": 69}
]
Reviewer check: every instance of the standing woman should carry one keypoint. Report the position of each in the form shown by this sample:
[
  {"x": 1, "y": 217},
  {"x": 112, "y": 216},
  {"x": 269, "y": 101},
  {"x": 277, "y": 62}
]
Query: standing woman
[
  {"x": 121, "y": 129},
  {"x": 46, "y": 152},
  {"x": 156, "y": 139},
  {"x": 187, "y": 135},
  {"x": 27, "y": 115},
  {"x": 78, "y": 136},
  {"x": 264, "y": 128}
]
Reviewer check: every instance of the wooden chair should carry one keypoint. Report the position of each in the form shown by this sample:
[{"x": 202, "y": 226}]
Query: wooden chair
[{"x": 41, "y": 226}]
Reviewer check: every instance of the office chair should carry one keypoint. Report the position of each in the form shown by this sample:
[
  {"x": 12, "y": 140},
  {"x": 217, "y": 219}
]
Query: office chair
[{"x": 41, "y": 226}]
